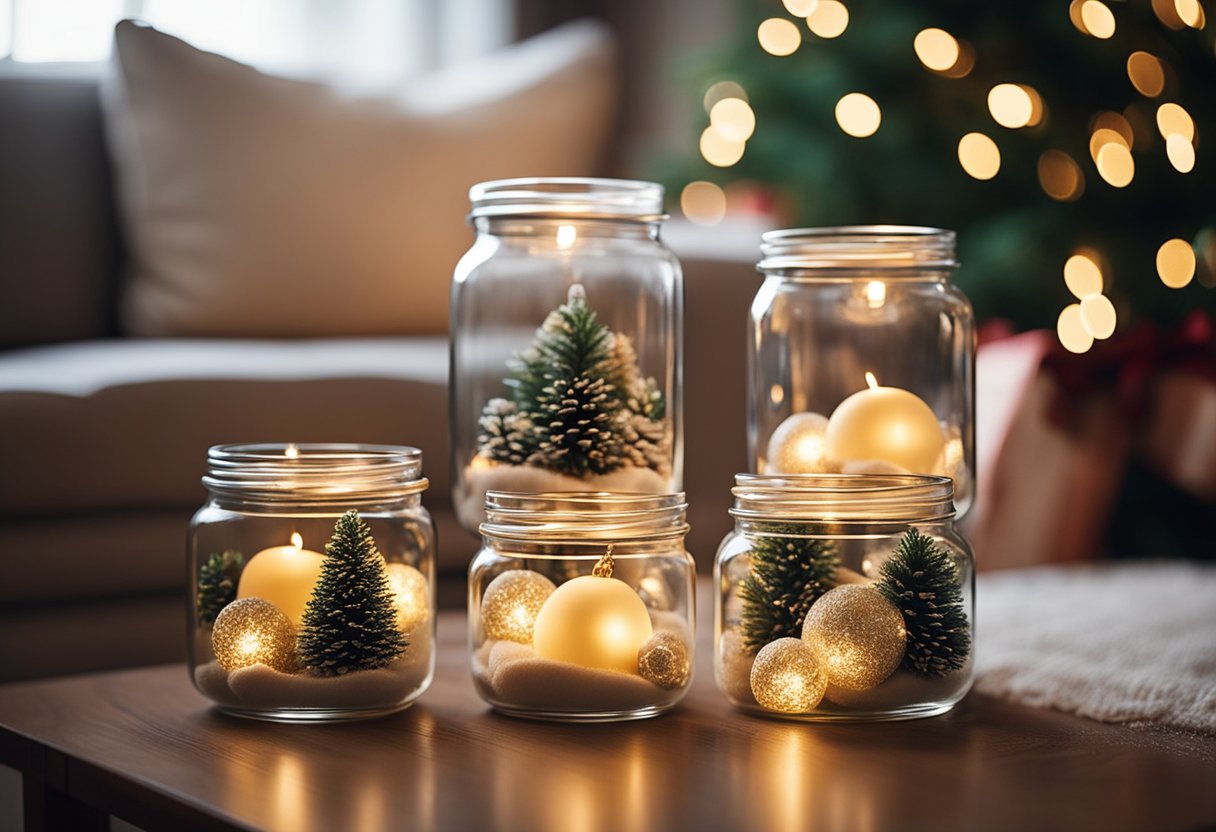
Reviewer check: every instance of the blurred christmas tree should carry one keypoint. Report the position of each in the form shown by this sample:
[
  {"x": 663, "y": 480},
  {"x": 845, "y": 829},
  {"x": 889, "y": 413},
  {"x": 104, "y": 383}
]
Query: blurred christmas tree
[{"x": 1045, "y": 133}]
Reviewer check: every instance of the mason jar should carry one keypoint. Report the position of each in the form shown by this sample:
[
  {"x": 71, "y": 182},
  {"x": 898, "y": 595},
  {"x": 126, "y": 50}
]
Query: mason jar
[
  {"x": 565, "y": 343},
  {"x": 581, "y": 605},
  {"x": 312, "y": 581},
  {"x": 862, "y": 356},
  {"x": 844, "y": 597}
]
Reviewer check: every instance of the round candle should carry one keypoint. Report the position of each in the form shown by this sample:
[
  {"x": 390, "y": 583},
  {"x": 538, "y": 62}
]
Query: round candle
[
  {"x": 885, "y": 423},
  {"x": 593, "y": 621},
  {"x": 284, "y": 576}
]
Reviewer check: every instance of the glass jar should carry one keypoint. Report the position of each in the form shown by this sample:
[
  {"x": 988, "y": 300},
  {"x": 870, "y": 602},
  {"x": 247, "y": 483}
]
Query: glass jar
[
  {"x": 844, "y": 597},
  {"x": 565, "y": 343},
  {"x": 581, "y": 605},
  {"x": 862, "y": 356},
  {"x": 312, "y": 581}
]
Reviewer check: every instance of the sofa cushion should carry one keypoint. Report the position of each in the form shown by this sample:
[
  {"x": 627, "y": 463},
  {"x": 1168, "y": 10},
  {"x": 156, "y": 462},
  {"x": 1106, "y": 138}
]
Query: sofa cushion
[{"x": 261, "y": 206}]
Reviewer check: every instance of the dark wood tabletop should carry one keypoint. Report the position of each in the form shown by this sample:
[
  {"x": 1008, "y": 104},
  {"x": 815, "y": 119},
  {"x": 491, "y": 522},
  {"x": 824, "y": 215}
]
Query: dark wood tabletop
[{"x": 144, "y": 746}]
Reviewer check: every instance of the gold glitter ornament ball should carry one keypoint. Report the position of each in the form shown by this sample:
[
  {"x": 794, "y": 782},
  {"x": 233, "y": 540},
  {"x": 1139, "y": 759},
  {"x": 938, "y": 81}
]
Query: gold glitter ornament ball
[
  {"x": 798, "y": 446},
  {"x": 253, "y": 631},
  {"x": 787, "y": 678},
  {"x": 663, "y": 660},
  {"x": 511, "y": 603},
  {"x": 857, "y": 636}
]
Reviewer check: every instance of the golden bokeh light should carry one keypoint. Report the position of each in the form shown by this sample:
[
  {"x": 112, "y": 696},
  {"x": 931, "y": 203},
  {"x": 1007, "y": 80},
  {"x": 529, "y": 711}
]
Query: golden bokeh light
[
  {"x": 1115, "y": 164},
  {"x": 965, "y": 63},
  {"x": 721, "y": 90},
  {"x": 800, "y": 8},
  {"x": 1167, "y": 13},
  {"x": 1115, "y": 122},
  {"x": 1146, "y": 74},
  {"x": 1176, "y": 263},
  {"x": 1074, "y": 15},
  {"x": 734, "y": 119},
  {"x": 718, "y": 150},
  {"x": 858, "y": 115},
  {"x": 703, "y": 203},
  {"x": 1060, "y": 176},
  {"x": 936, "y": 48},
  {"x": 1010, "y": 105},
  {"x": 1082, "y": 275},
  {"x": 779, "y": 36},
  {"x": 1071, "y": 331},
  {"x": 979, "y": 156},
  {"x": 1173, "y": 119},
  {"x": 1190, "y": 13},
  {"x": 1180, "y": 152},
  {"x": 1097, "y": 19},
  {"x": 1098, "y": 316},
  {"x": 1103, "y": 136},
  {"x": 829, "y": 20}
]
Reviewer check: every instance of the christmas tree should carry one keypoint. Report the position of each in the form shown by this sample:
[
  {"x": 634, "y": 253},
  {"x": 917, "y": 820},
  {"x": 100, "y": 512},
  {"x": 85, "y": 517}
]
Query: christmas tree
[
  {"x": 788, "y": 574},
  {"x": 350, "y": 623},
  {"x": 579, "y": 405},
  {"x": 921, "y": 580},
  {"x": 217, "y": 579}
]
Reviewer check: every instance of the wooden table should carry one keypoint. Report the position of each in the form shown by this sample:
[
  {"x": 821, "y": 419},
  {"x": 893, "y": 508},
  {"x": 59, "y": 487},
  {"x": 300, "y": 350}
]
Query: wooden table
[{"x": 144, "y": 746}]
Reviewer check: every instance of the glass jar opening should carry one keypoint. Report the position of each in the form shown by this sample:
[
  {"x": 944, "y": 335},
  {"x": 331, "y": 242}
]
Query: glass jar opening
[
  {"x": 843, "y": 498},
  {"x": 840, "y": 249},
  {"x": 584, "y": 517},
  {"x": 576, "y": 197}
]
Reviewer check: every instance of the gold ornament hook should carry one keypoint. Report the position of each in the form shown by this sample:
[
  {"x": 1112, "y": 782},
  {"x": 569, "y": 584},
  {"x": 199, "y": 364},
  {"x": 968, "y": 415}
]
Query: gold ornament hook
[{"x": 603, "y": 567}]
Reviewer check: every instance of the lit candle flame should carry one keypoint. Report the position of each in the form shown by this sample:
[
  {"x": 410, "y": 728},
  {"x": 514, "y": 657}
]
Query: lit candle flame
[
  {"x": 876, "y": 294},
  {"x": 292, "y": 451},
  {"x": 566, "y": 235},
  {"x": 871, "y": 381},
  {"x": 296, "y": 540}
]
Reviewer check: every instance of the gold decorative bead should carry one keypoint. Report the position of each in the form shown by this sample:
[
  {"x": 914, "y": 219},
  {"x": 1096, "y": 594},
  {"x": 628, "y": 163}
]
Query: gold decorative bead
[
  {"x": 664, "y": 660},
  {"x": 253, "y": 631},
  {"x": 856, "y": 635},
  {"x": 511, "y": 603},
  {"x": 787, "y": 678}
]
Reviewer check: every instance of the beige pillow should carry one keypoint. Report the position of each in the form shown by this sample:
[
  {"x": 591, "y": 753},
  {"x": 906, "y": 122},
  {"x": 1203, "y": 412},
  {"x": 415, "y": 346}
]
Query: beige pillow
[{"x": 261, "y": 206}]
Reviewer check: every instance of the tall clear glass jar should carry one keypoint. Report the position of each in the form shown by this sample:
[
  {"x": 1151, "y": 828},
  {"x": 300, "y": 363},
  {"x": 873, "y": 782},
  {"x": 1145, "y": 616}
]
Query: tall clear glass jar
[
  {"x": 862, "y": 356},
  {"x": 312, "y": 581},
  {"x": 844, "y": 597},
  {"x": 581, "y": 606},
  {"x": 566, "y": 334}
]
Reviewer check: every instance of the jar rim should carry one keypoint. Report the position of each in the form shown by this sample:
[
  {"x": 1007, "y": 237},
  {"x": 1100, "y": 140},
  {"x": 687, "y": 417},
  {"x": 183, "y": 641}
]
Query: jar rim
[
  {"x": 843, "y": 498},
  {"x": 568, "y": 196},
  {"x": 847, "y": 247},
  {"x": 584, "y": 516}
]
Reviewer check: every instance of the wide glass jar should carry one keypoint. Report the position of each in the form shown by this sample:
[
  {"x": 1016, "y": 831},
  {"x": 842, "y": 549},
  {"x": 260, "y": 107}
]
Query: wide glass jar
[
  {"x": 565, "y": 343},
  {"x": 581, "y": 605},
  {"x": 844, "y": 597},
  {"x": 862, "y": 356},
  {"x": 312, "y": 581}
]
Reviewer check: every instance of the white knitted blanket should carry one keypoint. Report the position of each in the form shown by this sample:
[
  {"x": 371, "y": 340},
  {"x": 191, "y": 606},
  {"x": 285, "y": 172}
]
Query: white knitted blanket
[{"x": 1131, "y": 643}]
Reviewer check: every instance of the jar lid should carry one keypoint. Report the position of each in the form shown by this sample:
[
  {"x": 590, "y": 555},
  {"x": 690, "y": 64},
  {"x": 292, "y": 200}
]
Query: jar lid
[
  {"x": 284, "y": 472},
  {"x": 595, "y": 518},
  {"x": 847, "y": 247},
  {"x": 843, "y": 498},
  {"x": 622, "y": 199}
]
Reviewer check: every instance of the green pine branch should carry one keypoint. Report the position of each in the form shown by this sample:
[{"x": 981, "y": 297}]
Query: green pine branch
[
  {"x": 217, "y": 583},
  {"x": 789, "y": 572}
]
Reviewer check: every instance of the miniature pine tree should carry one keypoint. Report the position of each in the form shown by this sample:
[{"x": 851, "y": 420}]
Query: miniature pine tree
[
  {"x": 788, "y": 574},
  {"x": 217, "y": 578},
  {"x": 922, "y": 581},
  {"x": 350, "y": 623}
]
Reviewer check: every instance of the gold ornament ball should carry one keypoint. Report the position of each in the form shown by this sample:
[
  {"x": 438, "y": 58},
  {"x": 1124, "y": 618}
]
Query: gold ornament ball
[
  {"x": 787, "y": 678},
  {"x": 663, "y": 660},
  {"x": 798, "y": 446},
  {"x": 411, "y": 593},
  {"x": 856, "y": 635},
  {"x": 511, "y": 603},
  {"x": 253, "y": 631}
]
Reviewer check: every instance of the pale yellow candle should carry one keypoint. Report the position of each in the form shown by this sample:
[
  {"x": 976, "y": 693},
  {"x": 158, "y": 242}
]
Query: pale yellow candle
[
  {"x": 284, "y": 576},
  {"x": 888, "y": 424}
]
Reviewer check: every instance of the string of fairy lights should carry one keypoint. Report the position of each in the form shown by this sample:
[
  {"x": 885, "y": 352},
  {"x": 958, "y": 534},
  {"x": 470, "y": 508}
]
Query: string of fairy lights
[{"x": 1114, "y": 137}]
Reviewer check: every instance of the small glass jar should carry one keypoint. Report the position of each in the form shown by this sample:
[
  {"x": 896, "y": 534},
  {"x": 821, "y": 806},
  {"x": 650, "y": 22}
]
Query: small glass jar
[
  {"x": 862, "y": 356},
  {"x": 312, "y": 581},
  {"x": 581, "y": 605},
  {"x": 566, "y": 335},
  {"x": 844, "y": 597}
]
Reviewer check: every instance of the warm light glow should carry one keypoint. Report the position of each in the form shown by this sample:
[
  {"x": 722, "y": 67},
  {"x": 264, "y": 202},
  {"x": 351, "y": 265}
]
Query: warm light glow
[
  {"x": 566, "y": 235},
  {"x": 291, "y": 451},
  {"x": 719, "y": 151},
  {"x": 703, "y": 203},
  {"x": 1071, "y": 331},
  {"x": 411, "y": 594},
  {"x": 1115, "y": 165},
  {"x": 776, "y": 394},
  {"x": 1098, "y": 19},
  {"x": 1102, "y": 137},
  {"x": 1074, "y": 14},
  {"x": 1060, "y": 176},
  {"x": 1180, "y": 152},
  {"x": 1113, "y": 122},
  {"x": 734, "y": 119},
  {"x": 297, "y": 540},
  {"x": 1172, "y": 119},
  {"x": 284, "y": 576},
  {"x": 720, "y": 90},
  {"x": 876, "y": 294},
  {"x": 1190, "y": 13},
  {"x": 979, "y": 156},
  {"x": 858, "y": 115},
  {"x": 829, "y": 20},
  {"x": 886, "y": 424},
  {"x": 1167, "y": 13},
  {"x": 593, "y": 622},
  {"x": 965, "y": 63},
  {"x": 800, "y": 8},
  {"x": 871, "y": 381},
  {"x": 1146, "y": 74},
  {"x": 779, "y": 36},
  {"x": 797, "y": 445},
  {"x": 1176, "y": 263},
  {"x": 936, "y": 48},
  {"x": 1098, "y": 315},
  {"x": 1011, "y": 105},
  {"x": 1082, "y": 276}
]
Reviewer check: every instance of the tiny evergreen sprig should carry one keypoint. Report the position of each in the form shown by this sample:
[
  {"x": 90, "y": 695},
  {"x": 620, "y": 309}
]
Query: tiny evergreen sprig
[
  {"x": 788, "y": 574},
  {"x": 350, "y": 623},
  {"x": 217, "y": 581},
  {"x": 922, "y": 581}
]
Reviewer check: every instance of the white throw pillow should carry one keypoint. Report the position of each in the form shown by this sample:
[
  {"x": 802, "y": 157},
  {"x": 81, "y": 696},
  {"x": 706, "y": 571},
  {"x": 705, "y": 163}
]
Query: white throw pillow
[{"x": 262, "y": 206}]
